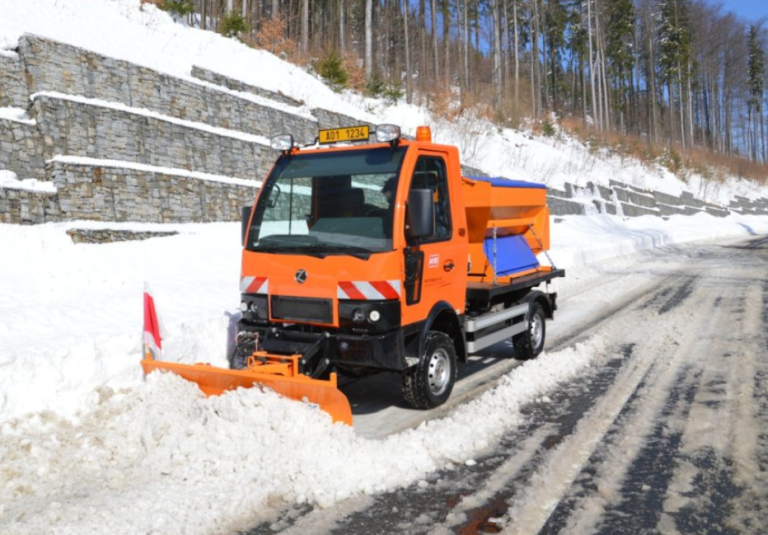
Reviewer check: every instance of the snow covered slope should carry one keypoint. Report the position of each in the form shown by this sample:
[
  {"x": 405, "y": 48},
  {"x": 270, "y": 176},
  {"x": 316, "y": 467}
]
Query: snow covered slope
[{"x": 149, "y": 37}]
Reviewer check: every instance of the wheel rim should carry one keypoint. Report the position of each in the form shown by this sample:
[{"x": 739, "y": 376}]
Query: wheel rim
[
  {"x": 537, "y": 330},
  {"x": 439, "y": 372}
]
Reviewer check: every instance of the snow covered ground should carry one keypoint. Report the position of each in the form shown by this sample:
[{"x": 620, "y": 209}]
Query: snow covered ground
[
  {"x": 156, "y": 456},
  {"x": 88, "y": 446}
]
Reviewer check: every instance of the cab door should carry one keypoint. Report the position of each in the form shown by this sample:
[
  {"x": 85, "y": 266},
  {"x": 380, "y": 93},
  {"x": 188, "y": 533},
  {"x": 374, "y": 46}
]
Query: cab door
[{"x": 436, "y": 267}]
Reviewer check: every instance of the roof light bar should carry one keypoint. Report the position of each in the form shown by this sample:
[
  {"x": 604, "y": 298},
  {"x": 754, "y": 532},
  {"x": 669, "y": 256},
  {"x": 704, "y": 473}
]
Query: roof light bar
[
  {"x": 387, "y": 132},
  {"x": 283, "y": 142}
]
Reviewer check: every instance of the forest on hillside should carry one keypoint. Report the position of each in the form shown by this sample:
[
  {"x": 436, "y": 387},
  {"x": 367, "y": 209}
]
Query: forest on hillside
[{"x": 674, "y": 73}]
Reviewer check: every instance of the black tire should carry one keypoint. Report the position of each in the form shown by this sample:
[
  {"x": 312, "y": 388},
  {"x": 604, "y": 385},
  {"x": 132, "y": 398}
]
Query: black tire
[
  {"x": 429, "y": 383},
  {"x": 529, "y": 343}
]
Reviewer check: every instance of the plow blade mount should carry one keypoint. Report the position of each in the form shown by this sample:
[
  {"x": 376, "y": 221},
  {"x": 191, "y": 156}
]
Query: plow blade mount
[{"x": 282, "y": 377}]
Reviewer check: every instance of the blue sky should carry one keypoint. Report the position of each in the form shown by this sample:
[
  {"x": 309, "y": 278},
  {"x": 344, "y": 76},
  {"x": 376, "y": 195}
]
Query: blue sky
[{"x": 748, "y": 9}]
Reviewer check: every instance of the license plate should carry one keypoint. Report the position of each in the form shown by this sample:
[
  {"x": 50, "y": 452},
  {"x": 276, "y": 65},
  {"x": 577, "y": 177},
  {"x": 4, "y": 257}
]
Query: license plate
[{"x": 352, "y": 133}]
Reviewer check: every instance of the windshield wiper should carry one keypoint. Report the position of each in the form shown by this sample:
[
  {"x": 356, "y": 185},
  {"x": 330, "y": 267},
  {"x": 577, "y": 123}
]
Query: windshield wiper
[
  {"x": 319, "y": 250},
  {"x": 352, "y": 250}
]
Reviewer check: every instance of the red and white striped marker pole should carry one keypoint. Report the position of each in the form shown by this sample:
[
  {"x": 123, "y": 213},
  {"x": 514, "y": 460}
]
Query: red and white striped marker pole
[{"x": 153, "y": 328}]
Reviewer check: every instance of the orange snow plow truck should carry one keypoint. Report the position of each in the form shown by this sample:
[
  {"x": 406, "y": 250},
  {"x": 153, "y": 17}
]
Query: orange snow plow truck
[{"x": 367, "y": 257}]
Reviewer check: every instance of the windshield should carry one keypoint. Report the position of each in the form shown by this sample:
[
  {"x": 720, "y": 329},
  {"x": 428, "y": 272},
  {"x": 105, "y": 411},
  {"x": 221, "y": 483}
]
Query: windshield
[{"x": 332, "y": 203}]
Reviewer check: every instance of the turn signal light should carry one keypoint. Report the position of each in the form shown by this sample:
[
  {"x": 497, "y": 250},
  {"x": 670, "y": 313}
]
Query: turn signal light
[{"x": 423, "y": 133}]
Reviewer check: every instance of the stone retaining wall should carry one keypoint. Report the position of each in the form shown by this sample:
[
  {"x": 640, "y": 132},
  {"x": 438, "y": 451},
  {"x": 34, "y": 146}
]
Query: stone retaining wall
[
  {"x": 78, "y": 129},
  {"x": 236, "y": 85},
  {"x": 13, "y": 88},
  {"x": 54, "y": 66},
  {"x": 118, "y": 194},
  {"x": 22, "y": 207},
  {"x": 97, "y": 236},
  {"x": 21, "y": 150}
]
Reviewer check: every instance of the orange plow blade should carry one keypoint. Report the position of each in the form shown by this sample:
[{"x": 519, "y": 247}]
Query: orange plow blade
[{"x": 281, "y": 378}]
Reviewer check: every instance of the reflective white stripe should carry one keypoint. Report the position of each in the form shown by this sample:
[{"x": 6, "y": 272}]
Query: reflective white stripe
[
  {"x": 395, "y": 286},
  {"x": 367, "y": 290},
  {"x": 264, "y": 288},
  {"x": 245, "y": 282}
]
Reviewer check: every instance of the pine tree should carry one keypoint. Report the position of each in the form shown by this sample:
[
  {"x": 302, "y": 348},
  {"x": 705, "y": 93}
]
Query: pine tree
[
  {"x": 620, "y": 32},
  {"x": 755, "y": 85},
  {"x": 674, "y": 53}
]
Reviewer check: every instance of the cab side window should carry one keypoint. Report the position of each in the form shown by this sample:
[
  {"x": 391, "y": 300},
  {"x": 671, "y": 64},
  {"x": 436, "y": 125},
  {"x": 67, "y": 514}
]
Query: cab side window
[{"x": 430, "y": 174}]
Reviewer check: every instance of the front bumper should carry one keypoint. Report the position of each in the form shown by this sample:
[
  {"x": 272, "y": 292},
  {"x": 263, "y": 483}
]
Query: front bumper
[{"x": 382, "y": 351}]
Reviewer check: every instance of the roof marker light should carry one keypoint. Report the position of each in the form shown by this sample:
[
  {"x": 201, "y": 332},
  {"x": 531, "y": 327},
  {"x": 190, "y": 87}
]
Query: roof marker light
[
  {"x": 387, "y": 132},
  {"x": 423, "y": 133},
  {"x": 283, "y": 142}
]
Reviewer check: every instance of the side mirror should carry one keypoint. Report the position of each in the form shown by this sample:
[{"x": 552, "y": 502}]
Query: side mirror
[
  {"x": 245, "y": 216},
  {"x": 421, "y": 213}
]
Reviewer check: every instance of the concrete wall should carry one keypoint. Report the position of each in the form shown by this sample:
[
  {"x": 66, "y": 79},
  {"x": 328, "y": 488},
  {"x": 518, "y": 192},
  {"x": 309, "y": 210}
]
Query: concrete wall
[
  {"x": 117, "y": 194},
  {"x": 80, "y": 129},
  {"x": 53, "y": 66},
  {"x": 21, "y": 150}
]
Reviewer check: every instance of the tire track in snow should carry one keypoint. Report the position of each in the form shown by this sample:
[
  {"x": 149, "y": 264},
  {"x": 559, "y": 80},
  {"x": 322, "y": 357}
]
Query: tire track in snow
[{"x": 556, "y": 477}]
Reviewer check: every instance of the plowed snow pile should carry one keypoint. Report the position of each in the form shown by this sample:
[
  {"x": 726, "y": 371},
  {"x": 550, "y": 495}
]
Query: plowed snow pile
[{"x": 165, "y": 459}]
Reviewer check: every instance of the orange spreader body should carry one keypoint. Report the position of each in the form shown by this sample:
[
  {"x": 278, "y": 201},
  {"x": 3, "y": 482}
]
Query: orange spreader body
[{"x": 279, "y": 373}]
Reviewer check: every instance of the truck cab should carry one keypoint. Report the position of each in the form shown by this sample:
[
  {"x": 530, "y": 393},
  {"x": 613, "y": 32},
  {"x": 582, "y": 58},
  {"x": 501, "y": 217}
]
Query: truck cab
[{"x": 374, "y": 257}]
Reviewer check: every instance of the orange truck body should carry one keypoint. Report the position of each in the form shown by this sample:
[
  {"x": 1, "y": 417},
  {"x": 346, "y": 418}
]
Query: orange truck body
[{"x": 301, "y": 311}]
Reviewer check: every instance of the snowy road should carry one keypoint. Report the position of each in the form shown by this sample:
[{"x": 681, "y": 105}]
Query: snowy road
[{"x": 669, "y": 434}]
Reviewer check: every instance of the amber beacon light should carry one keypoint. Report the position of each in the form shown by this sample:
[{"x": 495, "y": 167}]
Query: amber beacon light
[{"x": 423, "y": 133}]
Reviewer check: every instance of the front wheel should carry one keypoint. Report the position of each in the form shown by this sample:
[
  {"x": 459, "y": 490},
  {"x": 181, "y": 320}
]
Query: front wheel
[
  {"x": 529, "y": 343},
  {"x": 429, "y": 383}
]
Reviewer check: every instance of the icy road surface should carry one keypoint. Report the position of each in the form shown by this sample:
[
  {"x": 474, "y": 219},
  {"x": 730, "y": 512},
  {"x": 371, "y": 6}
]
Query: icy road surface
[{"x": 668, "y": 435}]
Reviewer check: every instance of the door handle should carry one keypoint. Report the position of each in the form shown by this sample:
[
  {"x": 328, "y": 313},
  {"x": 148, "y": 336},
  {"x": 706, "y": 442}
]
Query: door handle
[{"x": 449, "y": 265}]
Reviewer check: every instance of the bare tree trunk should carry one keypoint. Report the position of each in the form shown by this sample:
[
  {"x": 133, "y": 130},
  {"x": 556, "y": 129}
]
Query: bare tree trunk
[
  {"x": 496, "y": 34},
  {"x": 305, "y": 26},
  {"x": 433, "y": 5},
  {"x": 505, "y": 43},
  {"x": 517, "y": 57},
  {"x": 368, "y": 39},
  {"x": 204, "y": 14},
  {"x": 342, "y": 33},
  {"x": 230, "y": 6},
  {"x": 407, "y": 51},
  {"x": 275, "y": 9},
  {"x": 592, "y": 62},
  {"x": 467, "y": 43},
  {"x": 447, "y": 42}
]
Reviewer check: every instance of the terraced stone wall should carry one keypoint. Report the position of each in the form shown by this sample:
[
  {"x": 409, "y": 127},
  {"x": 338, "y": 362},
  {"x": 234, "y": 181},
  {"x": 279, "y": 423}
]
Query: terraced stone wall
[
  {"x": 21, "y": 149},
  {"x": 53, "y": 66},
  {"x": 13, "y": 87},
  {"x": 80, "y": 129},
  {"x": 22, "y": 207},
  {"x": 119, "y": 194}
]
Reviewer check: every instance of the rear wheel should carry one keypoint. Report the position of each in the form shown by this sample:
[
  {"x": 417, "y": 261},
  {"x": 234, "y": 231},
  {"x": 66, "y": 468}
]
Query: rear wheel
[
  {"x": 529, "y": 343},
  {"x": 429, "y": 383}
]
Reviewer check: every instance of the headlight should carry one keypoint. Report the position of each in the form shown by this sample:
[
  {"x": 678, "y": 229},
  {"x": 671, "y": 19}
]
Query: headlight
[
  {"x": 254, "y": 307},
  {"x": 358, "y": 316},
  {"x": 243, "y": 306},
  {"x": 374, "y": 316},
  {"x": 387, "y": 132}
]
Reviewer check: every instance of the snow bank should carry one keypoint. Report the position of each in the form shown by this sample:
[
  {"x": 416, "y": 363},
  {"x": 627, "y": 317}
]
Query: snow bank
[
  {"x": 165, "y": 459},
  {"x": 17, "y": 115},
  {"x": 9, "y": 180}
]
